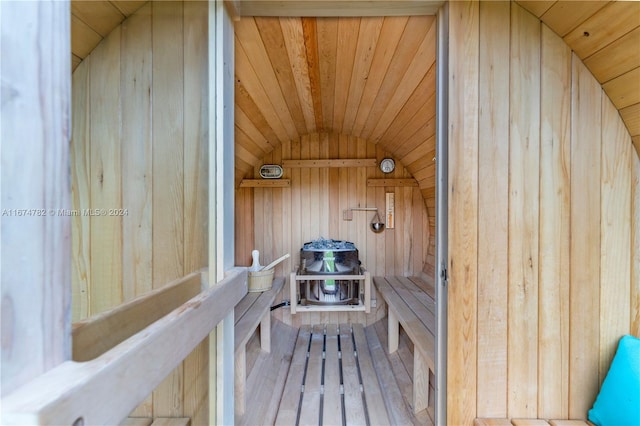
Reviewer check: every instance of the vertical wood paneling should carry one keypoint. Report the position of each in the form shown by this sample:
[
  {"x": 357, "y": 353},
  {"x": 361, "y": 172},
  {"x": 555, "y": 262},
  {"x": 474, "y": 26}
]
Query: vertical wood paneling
[
  {"x": 80, "y": 192},
  {"x": 141, "y": 127},
  {"x": 635, "y": 247},
  {"x": 168, "y": 176},
  {"x": 493, "y": 197},
  {"x": 196, "y": 203},
  {"x": 570, "y": 209},
  {"x": 615, "y": 231},
  {"x": 555, "y": 155},
  {"x": 585, "y": 239},
  {"x": 524, "y": 150},
  {"x": 463, "y": 207},
  {"x": 106, "y": 175},
  {"x": 137, "y": 158},
  {"x": 312, "y": 207}
]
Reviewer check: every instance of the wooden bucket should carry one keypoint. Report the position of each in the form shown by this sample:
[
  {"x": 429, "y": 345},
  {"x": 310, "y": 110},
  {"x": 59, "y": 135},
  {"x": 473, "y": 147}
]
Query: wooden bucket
[{"x": 260, "y": 280}]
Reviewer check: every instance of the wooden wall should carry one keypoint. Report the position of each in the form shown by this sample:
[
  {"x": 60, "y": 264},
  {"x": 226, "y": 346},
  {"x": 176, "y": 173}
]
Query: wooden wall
[
  {"x": 544, "y": 207},
  {"x": 280, "y": 220},
  {"x": 139, "y": 145}
]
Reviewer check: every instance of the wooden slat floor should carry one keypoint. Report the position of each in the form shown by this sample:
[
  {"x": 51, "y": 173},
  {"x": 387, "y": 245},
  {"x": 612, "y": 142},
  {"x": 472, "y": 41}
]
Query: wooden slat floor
[{"x": 330, "y": 374}]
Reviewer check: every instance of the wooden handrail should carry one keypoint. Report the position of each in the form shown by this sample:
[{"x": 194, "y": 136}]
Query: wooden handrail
[
  {"x": 96, "y": 335},
  {"x": 106, "y": 389}
]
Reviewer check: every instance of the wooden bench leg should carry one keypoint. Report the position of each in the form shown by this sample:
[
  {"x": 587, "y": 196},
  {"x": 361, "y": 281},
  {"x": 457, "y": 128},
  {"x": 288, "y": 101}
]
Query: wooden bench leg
[
  {"x": 420, "y": 382},
  {"x": 240, "y": 381},
  {"x": 265, "y": 332},
  {"x": 393, "y": 331}
]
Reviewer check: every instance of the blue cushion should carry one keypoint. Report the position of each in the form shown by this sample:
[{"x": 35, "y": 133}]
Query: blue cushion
[{"x": 618, "y": 403}]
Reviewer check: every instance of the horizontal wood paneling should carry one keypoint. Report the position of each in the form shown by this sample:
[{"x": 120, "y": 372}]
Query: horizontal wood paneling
[
  {"x": 281, "y": 220},
  {"x": 564, "y": 175},
  {"x": 139, "y": 145}
]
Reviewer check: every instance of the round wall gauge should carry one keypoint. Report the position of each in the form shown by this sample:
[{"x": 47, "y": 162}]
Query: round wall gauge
[{"x": 387, "y": 165}]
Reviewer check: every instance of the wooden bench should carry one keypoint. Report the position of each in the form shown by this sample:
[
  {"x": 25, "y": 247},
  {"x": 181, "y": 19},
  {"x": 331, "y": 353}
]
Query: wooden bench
[
  {"x": 253, "y": 310},
  {"x": 529, "y": 422},
  {"x": 411, "y": 306}
]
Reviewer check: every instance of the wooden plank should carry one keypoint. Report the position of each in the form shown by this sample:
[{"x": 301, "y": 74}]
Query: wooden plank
[
  {"x": 332, "y": 414},
  {"x": 372, "y": 391},
  {"x": 352, "y": 395},
  {"x": 168, "y": 186},
  {"x": 80, "y": 151},
  {"x": 128, "y": 7},
  {"x": 248, "y": 322},
  {"x": 294, "y": 40},
  {"x": 196, "y": 203},
  {"x": 137, "y": 421},
  {"x": 585, "y": 239},
  {"x": 333, "y": 162},
  {"x": 106, "y": 174},
  {"x": 614, "y": 59},
  {"x": 537, "y": 7},
  {"x": 564, "y": 16},
  {"x": 568, "y": 423},
  {"x": 463, "y": 203},
  {"x": 420, "y": 335},
  {"x": 137, "y": 156},
  {"x": 283, "y": 61},
  {"x": 425, "y": 315},
  {"x": 327, "y": 31},
  {"x": 493, "y": 209},
  {"x": 529, "y": 422},
  {"x": 85, "y": 390},
  {"x": 392, "y": 182},
  {"x": 631, "y": 117},
  {"x": 171, "y": 421},
  {"x": 98, "y": 334},
  {"x": 420, "y": 65},
  {"x": 634, "y": 327},
  {"x": 36, "y": 239},
  {"x": 265, "y": 183},
  {"x": 604, "y": 27},
  {"x": 393, "y": 400},
  {"x": 524, "y": 172},
  {"x": 269, "y": 95},
  {"x": 310, "y": 413},
  {"x": 137, "y": 162},
  {"x": 310, "y": 32},
  {"x": 390, "y": 35},
  {"x": 288, "y": 408},
  {"x": 83, "y": 38},
  {"x": 268, "y": 376},
  {"x": 491, "y": 422},
  {"x": 101, "y": 16},
  {"x": 615, "y": 235},
  {"x": 554, "y": 220},
  {"x": 625, "y": 89},
  {"x": 338, "y": 8}
]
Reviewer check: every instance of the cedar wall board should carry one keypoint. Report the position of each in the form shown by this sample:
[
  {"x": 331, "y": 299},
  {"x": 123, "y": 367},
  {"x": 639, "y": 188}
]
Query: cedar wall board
[
  {"x": 139, "y": 148},
  {"x": 280, "y": 220},
  {"x": 543, "y": 240}
]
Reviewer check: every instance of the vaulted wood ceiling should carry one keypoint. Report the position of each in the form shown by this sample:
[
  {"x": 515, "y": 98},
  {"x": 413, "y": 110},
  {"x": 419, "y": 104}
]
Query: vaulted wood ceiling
[
  {"x": 293, "y": 77},
  {"x": 373, "y": 78}
]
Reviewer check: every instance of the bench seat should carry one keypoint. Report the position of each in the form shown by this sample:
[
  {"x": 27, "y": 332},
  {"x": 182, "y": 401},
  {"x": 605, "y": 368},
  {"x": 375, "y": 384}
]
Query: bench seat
[
  {"x": 410, "y": 306},
  {"x": 254, "y": 309},
  {"x": 529, "y": 422}
]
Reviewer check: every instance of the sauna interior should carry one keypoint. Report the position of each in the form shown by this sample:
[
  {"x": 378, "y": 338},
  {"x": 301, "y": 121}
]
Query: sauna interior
[{"x": 506, "y": 273}]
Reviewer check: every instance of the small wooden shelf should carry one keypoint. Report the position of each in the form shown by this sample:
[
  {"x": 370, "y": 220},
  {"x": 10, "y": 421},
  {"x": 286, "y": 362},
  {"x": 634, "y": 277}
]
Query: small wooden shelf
[
  {"x": 336, "y": 162},
  {"x": 265, "y": 183},
  {"x": 392, "y": 182}
]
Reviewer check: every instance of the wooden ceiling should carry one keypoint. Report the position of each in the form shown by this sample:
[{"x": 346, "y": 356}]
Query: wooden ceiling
[
  {"x": 293, "y": 77},
  {"x": 373, "y": 78},
  {"x": 606, "y": 36}
]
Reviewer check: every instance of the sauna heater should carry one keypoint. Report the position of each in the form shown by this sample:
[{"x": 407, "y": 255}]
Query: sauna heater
[{"x": 321, "y": 260}]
